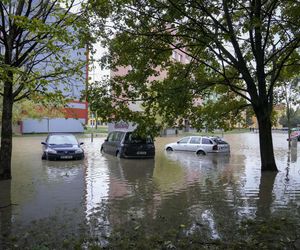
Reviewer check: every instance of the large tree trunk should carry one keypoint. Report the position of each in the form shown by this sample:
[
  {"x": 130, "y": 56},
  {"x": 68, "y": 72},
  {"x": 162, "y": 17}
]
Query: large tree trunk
[
  {"x": 6, "y": 133},
  {"x": 265, "y": 141}
]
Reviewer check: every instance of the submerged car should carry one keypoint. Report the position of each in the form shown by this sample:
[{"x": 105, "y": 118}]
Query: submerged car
[
  {"x": 295, "y": 134},
  {"x": 202, "y": 145},
  {"x": 128, "y": 145},
  {"x": 62, "y": 147}
]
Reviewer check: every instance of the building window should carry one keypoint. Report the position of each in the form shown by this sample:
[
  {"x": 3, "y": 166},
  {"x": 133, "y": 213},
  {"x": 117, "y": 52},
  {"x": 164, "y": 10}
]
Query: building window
[
  {"x": 179, "y": 57},
  {"x": 174, "y": 54}
]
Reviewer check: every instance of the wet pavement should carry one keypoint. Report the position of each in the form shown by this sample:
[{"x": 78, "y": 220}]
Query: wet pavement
[{"x": 102, "y": 192}]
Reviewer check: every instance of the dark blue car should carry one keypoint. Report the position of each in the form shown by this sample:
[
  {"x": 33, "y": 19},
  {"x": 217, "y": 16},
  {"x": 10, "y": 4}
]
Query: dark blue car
[{"x": 62, "y": 147}]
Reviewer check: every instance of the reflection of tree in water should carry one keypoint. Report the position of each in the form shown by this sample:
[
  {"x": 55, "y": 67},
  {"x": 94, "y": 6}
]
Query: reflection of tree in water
[
  {"x": 293, "y": 154},
  {"x": 5, "y": 212},
  {"x": 265, "y": 195}
]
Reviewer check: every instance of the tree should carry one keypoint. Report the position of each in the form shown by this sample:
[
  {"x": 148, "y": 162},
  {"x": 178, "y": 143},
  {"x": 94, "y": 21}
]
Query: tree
[
  {"x": 293, "y": 120},
  {"x": 235, "y": 48},
  {"x": 34, "y": 110},
  {"x": 38, "y": 41}
]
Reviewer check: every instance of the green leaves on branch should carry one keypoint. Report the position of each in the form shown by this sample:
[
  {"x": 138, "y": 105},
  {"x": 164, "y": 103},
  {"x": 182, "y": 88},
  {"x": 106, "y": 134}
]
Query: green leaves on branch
[{"x": 205, "y": 61}]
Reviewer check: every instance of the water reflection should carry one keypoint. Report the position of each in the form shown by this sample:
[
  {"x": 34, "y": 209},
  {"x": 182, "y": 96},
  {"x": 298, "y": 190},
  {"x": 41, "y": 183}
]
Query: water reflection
[
  {"x": 127, "y": 180},
  {"x": 65, "y": 171},
  {"x": 191, "y": 160},
  {"x": 208, "y": 195},
  {"x": 293, "y": 154},
  {"x": 265, "y": 195},
  {"x": 5, "y": 211}
]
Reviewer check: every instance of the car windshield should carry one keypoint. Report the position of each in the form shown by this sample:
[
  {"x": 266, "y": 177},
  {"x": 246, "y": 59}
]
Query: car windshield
[
  {"x": 62, "y": 139},
  {"x": 134, "y": 139},
  {"x": 219, "y": 140}
]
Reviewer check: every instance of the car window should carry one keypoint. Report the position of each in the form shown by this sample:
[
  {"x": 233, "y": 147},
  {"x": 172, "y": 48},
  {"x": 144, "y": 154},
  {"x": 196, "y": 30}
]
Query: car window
[
  {"x": 195, "y": 140},
  {"x": 110, "y": 137},
  {"x": 134, "y": 139},
  {"x": 206, "y": 141},
  {"x": 62, "y": 139},
  {"x": 118, "y": 136},
  {"x": 184, "y": 140}
]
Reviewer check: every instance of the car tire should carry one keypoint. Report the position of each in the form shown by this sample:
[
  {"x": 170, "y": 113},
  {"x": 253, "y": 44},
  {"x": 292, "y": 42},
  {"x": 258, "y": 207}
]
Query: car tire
[
  {"x": 169, "y": 149},
  {"x": 200, "y": 152},
  {"x": 102, "y": 150}
]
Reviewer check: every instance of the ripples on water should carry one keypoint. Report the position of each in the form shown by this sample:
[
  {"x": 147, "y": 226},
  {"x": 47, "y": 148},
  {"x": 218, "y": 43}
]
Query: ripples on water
[{"x": 173, "y": 189}]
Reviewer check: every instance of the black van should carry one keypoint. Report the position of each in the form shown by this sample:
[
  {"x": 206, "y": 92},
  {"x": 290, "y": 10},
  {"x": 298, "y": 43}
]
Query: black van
[{"x": 128, "y": 145}]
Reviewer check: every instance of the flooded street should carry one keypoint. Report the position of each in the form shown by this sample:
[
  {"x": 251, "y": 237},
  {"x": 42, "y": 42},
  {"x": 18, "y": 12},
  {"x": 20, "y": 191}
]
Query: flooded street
[{"x": 102, "y": 193}]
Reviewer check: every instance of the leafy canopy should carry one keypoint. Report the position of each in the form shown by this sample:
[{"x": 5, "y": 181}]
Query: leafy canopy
[
  {"x": 42, "y": 47},
  {"x": 233, "y": 54}
]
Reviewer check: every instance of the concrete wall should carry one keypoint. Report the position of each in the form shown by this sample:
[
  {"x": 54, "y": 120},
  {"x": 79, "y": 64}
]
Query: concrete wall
[{"x": 53, "y": 125}]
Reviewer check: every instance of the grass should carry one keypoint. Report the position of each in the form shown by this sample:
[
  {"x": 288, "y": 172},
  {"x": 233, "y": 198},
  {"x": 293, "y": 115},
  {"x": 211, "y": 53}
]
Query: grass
[
  {"x": 275, "y": 232},
  {"x": 100, "y": 129}
]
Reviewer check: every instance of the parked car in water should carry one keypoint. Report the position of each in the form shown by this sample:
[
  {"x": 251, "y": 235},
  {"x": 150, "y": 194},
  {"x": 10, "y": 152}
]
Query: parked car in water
[
  {"x": 202, "y": 145},
  {"x": 295, "y": 134},
  {"x": 62, "y": 146},
  {"x": 128, "y": 145}
]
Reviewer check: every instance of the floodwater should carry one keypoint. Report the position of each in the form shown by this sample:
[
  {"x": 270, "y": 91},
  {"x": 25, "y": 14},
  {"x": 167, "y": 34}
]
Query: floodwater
[{"x": 102, "y": 192}]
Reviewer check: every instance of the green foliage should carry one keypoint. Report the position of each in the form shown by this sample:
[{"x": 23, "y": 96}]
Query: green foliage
[
  {"x": 37, "y": 42},
  {"x": 233, "y": 60},
  {"x": 37, "y": 110},
  {"x": 294, "y": 119}
]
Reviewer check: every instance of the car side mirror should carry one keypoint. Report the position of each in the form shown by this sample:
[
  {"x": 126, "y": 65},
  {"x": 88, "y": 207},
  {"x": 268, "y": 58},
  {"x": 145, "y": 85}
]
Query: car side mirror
[
  {"x": 44, "y": 143},
  {"x": 81, "y": 143}
]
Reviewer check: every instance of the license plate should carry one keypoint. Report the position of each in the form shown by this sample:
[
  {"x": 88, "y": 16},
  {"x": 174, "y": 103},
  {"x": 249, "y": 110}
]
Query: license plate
[
  {"x": 141, "y": 153},
  {"x": 66, "y": 157}
]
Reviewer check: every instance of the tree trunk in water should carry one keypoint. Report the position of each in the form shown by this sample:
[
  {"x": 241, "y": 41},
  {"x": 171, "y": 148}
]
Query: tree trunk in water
[
  {"x": 5, "y": 213},
  {"x": 265, "y": 200},
  {"x": 6, "y": 133},
  {"x": 266, "y": 142}
]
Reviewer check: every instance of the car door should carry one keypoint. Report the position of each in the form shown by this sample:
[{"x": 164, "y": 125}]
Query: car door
[
  {"x": 207, "y": 145},
  {"x": 117, "y": 142},
  {"x": 108, "y": 145},
  {"x": 182, "y": 145},
  {"x": 194, "y": 143}
]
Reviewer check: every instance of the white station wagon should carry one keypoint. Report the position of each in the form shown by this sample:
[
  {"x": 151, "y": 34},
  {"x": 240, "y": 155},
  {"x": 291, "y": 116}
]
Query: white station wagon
[{"x": 199, "y": 144}]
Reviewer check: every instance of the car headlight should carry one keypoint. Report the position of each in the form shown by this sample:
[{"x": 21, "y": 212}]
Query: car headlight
[
  {"x": 51, "y": 151},
  {"x": 78, "y": 151}
]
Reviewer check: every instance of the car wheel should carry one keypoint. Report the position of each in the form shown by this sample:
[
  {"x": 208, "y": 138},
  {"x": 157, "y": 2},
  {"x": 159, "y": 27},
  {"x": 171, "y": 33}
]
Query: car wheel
[
  {"x": 102, "y": 150},
  {"x": 44, "y": 156},
  {"x": 200, "y": 152},
  {"x": 169, "y": 149}
]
